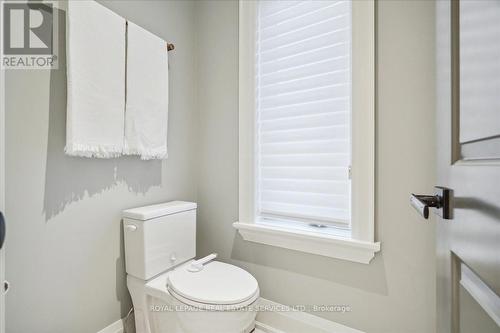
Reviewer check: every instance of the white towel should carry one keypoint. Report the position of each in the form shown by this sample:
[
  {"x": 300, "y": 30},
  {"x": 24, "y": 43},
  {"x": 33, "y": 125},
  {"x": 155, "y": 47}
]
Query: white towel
[
  {"x": 96, "y": 80},
  {"x": 146, "y": 112}
]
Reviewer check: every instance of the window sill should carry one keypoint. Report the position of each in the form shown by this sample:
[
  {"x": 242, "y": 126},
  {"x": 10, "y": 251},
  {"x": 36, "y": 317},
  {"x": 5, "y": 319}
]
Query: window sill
[{"x": 321, "y": 244}]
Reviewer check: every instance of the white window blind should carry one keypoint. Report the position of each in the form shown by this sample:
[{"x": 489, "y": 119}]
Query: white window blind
[{"x": 303, "y": 85}]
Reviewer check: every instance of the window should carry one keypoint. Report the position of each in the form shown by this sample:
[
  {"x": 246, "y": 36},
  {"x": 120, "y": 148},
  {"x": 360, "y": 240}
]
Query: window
[
  {"x": 303, "y": 112},
  {"x": 307, "y": 126}
]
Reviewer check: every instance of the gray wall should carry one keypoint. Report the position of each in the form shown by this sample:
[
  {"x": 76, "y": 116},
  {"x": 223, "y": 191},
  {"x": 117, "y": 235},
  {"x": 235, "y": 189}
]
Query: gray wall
[
  {"x": 64, "y": 252},
  {"x": 396, "y": 292}
]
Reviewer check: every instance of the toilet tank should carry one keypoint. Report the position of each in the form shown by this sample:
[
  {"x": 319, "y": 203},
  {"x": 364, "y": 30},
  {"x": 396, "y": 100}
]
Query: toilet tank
[{"x": 159, "y": 237}]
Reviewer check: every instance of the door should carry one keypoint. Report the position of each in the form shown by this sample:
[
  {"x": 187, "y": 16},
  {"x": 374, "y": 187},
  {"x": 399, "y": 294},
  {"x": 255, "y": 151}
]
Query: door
[{"x": 468, "y": 108}]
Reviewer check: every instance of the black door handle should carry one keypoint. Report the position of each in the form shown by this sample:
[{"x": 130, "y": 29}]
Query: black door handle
[
  {"x": 442, "y": 200},
  {"x": 2, "y": 230},
  {"x": 422, "y": 203}
]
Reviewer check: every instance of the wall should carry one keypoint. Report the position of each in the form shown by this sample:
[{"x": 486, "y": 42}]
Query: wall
[
  {"x": 396, "y": 292},
  {"x": 65, "y": 256},
  {"x": 64, "y": 252}
]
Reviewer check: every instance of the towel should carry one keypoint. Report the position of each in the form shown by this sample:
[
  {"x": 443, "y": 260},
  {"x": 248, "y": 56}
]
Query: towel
[
  {"x": 146, "y": 111},
  {"x": 96, "y": 80}
]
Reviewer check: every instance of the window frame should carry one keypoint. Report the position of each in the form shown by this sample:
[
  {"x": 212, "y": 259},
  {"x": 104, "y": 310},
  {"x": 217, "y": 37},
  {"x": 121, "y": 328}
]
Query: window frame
[{"x": 360, "y": 246}]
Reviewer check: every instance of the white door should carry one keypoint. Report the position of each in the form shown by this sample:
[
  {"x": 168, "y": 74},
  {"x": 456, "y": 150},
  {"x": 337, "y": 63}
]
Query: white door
[{"x": 468, "y": 245}]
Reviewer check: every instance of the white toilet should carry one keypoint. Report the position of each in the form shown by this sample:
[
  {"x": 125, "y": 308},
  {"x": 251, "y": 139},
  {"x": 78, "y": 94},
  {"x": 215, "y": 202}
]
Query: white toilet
[{"x": 171, "y": 292}]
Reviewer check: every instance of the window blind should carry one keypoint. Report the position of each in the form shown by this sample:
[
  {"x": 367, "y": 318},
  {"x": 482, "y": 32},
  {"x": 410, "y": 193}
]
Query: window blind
[{"x": 303, "y": 98}]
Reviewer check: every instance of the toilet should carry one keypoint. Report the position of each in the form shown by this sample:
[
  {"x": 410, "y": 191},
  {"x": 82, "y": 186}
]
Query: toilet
[{"x": 173, "y": 293}]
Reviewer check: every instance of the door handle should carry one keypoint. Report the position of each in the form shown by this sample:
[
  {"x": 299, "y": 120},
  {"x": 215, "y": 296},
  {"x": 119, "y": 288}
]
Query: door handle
[
  {"x": 442, "y": 200},
  {"x": 2, "y": 230}
]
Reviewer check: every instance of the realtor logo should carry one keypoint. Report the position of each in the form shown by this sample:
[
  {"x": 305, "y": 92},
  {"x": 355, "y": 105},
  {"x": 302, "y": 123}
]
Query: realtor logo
[{"x": 29, "y": 35}]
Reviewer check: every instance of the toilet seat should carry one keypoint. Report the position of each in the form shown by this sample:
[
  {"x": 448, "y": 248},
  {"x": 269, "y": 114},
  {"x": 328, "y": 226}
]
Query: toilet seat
[{"x": 218, "y": 284}]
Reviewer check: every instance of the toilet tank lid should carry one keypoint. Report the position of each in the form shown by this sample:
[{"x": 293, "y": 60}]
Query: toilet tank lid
[{"x": 153, "y": 211}]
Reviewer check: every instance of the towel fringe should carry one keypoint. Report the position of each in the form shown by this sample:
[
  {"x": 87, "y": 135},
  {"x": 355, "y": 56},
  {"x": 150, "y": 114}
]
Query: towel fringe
[
  {"x": 148, "y": 154},
  {"x": 86, "y": 150}
]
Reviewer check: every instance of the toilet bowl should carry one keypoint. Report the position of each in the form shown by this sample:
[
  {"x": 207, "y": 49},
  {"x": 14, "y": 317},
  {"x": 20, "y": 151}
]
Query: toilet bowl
[{"x": 171, "y": 292}]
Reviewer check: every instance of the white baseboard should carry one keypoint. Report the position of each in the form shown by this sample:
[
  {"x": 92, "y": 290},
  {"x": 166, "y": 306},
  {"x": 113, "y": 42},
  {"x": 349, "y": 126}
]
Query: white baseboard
[
  {"x": 116, "y": 327},
  {"x": 266, "y": 329},
  {"x": 286, "y": 321}
]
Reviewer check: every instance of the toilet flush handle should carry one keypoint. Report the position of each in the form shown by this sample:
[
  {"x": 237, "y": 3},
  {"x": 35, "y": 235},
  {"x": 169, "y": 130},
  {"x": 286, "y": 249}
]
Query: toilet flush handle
[
  {"x": 197, "y": 265},
  {"x": 131, "y": 227}
]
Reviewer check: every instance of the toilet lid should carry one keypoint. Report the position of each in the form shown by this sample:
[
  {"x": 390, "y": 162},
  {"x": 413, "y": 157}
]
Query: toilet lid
[{"x": 216, "y": 283}]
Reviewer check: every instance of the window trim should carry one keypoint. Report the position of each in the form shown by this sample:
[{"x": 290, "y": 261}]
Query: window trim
[
  {"x": 315, "y": 243},
  {"x": 360, "y": 247}
]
